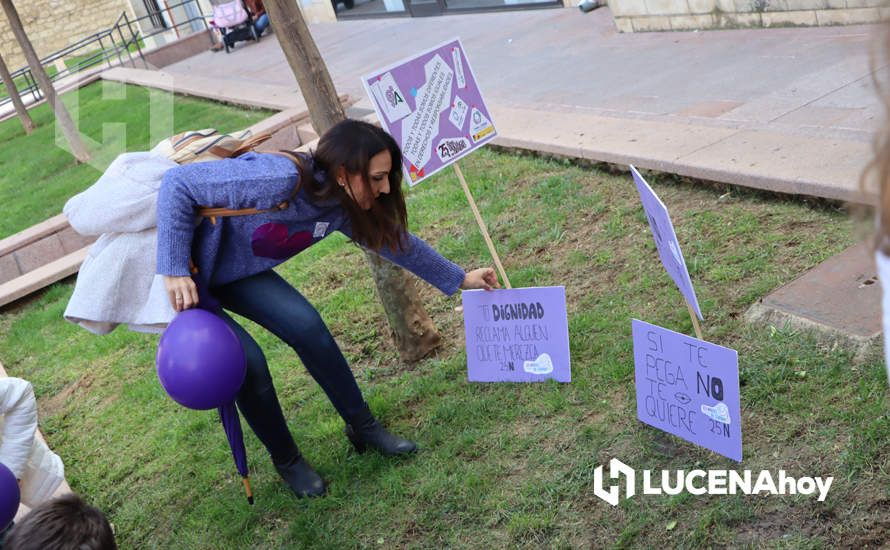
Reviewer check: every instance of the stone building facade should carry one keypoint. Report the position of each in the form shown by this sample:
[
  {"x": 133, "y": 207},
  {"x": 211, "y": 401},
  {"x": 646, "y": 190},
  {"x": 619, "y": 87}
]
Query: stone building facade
[
  {"x": 55, "y": 24},
  {"x": 664, "y": 15}
]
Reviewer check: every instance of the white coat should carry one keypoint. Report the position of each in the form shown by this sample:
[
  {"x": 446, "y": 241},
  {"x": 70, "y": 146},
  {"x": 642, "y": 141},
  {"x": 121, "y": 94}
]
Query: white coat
[
  {"x": 21, "y": 449},
  {"x": 117, "y": 282}
]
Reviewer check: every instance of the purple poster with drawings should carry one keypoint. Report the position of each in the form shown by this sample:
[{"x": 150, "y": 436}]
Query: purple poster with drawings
[
  {"x": 432, "y": 106},
  {"x": 517, "y": 335},
  {"x": 689, "y": 388},
  {"x": 666, "y": 240}
]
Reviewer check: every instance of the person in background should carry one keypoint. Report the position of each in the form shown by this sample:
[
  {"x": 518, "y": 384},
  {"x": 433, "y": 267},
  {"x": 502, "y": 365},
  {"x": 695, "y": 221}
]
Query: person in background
[
  {"x": 260, "y": 23},
  {"x": 63, "y": 523},
  {"x": 876, "y": 181},
  {"x": 39, "y": 470},
  {"x": 260, "y": 17}
]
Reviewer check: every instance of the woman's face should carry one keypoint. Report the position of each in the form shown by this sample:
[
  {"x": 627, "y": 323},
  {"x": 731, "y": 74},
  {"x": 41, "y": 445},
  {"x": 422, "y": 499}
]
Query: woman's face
[{"x": 378, "y": 170}]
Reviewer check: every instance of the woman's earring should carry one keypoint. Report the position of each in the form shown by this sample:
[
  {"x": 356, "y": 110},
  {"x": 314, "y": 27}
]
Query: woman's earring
[{"x": 342, "y": 183}]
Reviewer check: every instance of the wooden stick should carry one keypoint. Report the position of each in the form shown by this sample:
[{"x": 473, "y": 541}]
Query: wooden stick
[
  {"x": 695, "y": 324},
  {"x": 246, "y": 481},
  {"x": 482, "y": 228}
]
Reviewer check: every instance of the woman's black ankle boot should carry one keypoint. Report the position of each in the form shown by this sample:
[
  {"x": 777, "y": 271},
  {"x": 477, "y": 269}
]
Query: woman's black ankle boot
[
  {"x": 303, "y": 480},
  {"x": 365, "y": 432}
]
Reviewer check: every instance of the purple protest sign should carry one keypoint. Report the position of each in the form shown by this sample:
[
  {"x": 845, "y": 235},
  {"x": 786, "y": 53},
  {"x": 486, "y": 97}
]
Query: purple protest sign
[
  {"x": 689, "y": 388},
  {"x": 517, "y": 335},
  {"x": 432, "y": 106},
  {"x": 666, "y": 240}
]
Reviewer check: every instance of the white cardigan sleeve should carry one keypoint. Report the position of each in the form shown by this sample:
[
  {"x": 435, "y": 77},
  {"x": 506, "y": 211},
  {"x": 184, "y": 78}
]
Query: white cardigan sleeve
[{"x": 18, "y": 407}]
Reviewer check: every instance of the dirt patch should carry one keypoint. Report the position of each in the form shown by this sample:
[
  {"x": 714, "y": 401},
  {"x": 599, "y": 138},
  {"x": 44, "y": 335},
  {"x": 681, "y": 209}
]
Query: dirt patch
[
  {"x": 57, "y": 403},
  {"x": 862, "y": 526},
  {"x": 776, "y": 525}
]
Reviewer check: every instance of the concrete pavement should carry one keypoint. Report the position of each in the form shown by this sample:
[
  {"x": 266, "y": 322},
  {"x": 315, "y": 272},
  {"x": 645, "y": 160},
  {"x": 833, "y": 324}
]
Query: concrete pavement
[
  {"x": 791, "y": 110},
  {"x": 267, "y": 96},
  {"x": 840, "y": 297}
]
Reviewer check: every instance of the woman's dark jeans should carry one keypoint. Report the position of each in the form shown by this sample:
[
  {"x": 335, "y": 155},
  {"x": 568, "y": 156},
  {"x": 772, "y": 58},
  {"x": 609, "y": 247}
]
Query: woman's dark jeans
[{"x": 274, "y": 304}]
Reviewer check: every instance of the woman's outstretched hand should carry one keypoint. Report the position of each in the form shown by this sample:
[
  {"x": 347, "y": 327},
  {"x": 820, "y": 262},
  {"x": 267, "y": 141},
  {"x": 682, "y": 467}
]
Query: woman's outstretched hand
[
  {"x": 484, "y": 278},
  {"x": 182, "y": 291}
]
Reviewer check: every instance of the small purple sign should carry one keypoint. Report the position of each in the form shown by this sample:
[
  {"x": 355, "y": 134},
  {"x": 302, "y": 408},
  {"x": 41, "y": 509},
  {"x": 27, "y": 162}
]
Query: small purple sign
[
  {"x": 517, "y": 335},
  {"x": 666, "y": 240},
  {"x": 432, "y": 106},
  {"x": 689, "y": 388}
]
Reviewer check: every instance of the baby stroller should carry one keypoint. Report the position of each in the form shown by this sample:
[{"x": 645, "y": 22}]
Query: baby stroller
[{"x": 233, "y": 21}]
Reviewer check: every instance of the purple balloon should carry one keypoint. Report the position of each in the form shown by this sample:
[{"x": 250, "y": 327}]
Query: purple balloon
[
  {"x": 9, "y": 497},
  {"x": 200, "y": 360}
]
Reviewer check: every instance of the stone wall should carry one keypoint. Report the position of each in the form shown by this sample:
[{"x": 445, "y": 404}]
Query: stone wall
[
  {"x": 314, "y": 11},
  {"x": 317, "y": 11},
  {"x": 663, "y": 15},
  {"x": 55, "y": 24}
]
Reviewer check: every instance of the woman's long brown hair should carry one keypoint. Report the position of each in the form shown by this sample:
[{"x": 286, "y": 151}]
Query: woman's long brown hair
[
  {"x": 350, "y": 144},
  {"x": 876, "y": 177}
]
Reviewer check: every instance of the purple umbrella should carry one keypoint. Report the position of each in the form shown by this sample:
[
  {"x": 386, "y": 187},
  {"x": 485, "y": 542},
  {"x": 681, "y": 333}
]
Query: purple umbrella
[
  {"x": 228, "y": 414},
  {"x": 201, "y": 365}
]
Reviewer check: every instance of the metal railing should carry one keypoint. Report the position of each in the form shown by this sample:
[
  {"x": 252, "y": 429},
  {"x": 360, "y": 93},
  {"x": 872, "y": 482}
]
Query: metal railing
[{"x": 122, "y": 43}]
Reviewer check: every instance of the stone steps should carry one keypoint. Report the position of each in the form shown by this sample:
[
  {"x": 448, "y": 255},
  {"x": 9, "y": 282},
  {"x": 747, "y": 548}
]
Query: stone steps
[
  {"x": 39, "y": 256},
  {"x": 43, "y": 276}
]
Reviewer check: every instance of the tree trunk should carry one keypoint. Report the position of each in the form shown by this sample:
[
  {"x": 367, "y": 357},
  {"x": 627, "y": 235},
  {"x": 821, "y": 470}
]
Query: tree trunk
[
  {"x": 414, "y": 333},
  {"x": 78, "y": 149},
  {"x": 13, "y": 92},
  {"x": 305, "y": 61}
]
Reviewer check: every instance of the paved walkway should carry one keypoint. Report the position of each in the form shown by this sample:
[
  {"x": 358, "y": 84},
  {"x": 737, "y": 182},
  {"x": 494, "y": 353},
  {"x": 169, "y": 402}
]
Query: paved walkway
[{"x": 791, "y": 110}]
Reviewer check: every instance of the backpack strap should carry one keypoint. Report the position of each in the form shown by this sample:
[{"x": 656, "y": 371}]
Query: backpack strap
[
  {"x": 214, "y": 213},
  {"x": 207, "y": 145},
  {"x": 251, "y": 143}
]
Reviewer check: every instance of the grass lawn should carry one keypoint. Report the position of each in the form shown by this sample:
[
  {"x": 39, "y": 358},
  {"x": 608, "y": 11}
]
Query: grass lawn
[
  {"x": 73, "y": 63},
  {"x": 501, "y": 466},
  {"x": 21, "y": 83},
  {"x": 38, "y": 176}
]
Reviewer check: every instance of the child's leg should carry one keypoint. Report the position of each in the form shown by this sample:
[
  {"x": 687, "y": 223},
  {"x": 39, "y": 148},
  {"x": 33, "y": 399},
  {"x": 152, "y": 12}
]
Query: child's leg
[
  {"x": 261, "y": 24},
  {"x": 274, "y": 304}
]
